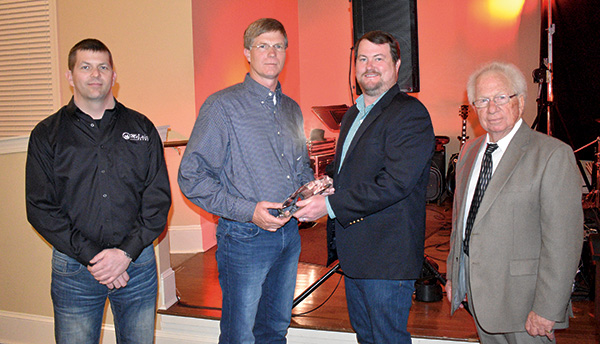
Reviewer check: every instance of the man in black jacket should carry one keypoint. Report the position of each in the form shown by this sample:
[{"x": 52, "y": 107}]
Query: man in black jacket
[
  {"x": 377, "y": 214},
  {"x": 97, "y": 190}
]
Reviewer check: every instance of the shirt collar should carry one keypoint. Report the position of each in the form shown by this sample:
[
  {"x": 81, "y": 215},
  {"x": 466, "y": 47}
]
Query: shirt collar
[
  {"x": 80, "y": 115},
  {"x": 503, "y": 142},
  {"x": 262, "y": 92},
  {"x": 364, "y": 110}
]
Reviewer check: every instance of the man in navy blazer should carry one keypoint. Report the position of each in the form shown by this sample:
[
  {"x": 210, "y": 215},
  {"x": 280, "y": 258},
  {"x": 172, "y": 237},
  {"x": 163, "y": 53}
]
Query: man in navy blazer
[{"x": 377, "y": 214}]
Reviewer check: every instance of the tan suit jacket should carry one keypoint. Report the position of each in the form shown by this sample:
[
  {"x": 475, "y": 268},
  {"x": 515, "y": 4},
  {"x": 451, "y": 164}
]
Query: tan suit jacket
[{"x": 526, "y": 241}]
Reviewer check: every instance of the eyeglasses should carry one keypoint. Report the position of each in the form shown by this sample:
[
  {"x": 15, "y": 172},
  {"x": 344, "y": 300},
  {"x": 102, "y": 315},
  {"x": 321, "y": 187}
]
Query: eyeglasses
[
  {"x": 500, "y": 99},
  {"x": 263, "y": 47}
]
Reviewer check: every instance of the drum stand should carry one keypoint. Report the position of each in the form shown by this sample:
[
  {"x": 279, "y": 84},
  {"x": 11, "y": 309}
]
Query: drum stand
[{"x": 593, "y": 197}]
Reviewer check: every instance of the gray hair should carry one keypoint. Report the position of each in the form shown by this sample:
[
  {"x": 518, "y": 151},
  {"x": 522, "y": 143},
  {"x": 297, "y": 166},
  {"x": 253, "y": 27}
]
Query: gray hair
[{"x": 515, "y": 78}]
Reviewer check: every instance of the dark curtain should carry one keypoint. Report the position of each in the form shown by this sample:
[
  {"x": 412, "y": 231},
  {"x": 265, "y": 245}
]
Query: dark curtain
[{"x": 575, "y": 111}]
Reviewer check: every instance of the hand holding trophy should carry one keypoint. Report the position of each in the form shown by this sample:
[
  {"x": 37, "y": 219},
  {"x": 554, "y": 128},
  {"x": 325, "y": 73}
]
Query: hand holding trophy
[{"x": 312, "y": 188}]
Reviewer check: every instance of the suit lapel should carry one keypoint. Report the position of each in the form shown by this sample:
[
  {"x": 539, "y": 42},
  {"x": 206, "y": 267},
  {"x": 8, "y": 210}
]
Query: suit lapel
[
  {"x": 512, "y": 156},
  {"x": 347, "y": 121},
  {"x": 468, "y": 160},
  {"x": 371, "y": 117}
]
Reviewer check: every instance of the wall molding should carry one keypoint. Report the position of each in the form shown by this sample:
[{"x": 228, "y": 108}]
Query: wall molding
[
  {"x": 167, "y": 290},
  {"x": 16, "y": 144}
]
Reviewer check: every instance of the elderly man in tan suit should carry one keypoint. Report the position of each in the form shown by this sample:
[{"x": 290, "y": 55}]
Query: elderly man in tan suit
[{"x": 516, "y": 243}]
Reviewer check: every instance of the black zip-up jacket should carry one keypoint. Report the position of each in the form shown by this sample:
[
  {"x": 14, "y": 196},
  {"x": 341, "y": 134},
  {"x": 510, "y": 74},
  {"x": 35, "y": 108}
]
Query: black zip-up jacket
[{"x": 92, "y": 185}]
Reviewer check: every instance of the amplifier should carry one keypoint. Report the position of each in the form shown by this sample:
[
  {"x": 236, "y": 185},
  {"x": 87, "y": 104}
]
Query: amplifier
[
  {"x": 319, "y": 162},
  {"x": 315, "y": 147},
  {"x": 321, "y": 154}
]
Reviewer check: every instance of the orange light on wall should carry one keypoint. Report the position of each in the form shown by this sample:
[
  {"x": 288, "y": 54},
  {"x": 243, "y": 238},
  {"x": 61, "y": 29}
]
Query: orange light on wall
[
  {"x": 494, "y": 23},
  {"x": 505, "y": 9},
  {"x": 497, "y": 13}
]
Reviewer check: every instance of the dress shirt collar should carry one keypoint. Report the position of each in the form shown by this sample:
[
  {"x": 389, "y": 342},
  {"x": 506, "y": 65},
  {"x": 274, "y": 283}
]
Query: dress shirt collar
[
  {"x": 503, "y": 142},
  {"x": 363, "y": 110},
  {"x": 262, "y": 92}
]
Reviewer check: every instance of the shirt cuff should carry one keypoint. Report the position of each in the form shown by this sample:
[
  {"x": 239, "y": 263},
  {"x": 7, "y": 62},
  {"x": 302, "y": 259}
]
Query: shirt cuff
[
  {"x": 244, "y": 210},
  {"x": 329, "y": 209}
]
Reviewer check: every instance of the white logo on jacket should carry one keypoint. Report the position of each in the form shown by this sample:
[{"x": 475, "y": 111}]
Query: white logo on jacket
[{"x": 135, "y": 137}]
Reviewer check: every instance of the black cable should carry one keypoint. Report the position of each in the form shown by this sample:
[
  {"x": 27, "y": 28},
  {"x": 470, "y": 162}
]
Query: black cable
[
  {"x": 350, "y": 77},
  {"x": 189, "y": 305},
  {"x": 322, "y": 304}
]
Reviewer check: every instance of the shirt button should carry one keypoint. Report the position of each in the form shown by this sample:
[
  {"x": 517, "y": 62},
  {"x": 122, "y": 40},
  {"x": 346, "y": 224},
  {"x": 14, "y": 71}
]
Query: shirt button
[
  {"x": 270, "y": 94},
  {"x": 105, "y": 195},
  {"x": 282, "y": 155},
  {"x": 278, "y": 133},
  {"x": 288, "y": 177},
  {"x": 103, "y": 171},
  {"x": 92, "y": 125},
  {"x": 262, "y": 102}
]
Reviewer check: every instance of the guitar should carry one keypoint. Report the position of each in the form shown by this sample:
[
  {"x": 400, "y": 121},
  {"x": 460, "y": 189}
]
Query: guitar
[{"x": 451, "y": 175}]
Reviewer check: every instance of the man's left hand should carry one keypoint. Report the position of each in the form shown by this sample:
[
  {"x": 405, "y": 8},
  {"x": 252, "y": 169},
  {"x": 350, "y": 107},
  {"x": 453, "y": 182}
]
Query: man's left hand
[
  {"x": 119, "y": 282},
  {"x": 311, "y": 209},
  {"x": 539, "y": 326},
  {"x": 108, "y": 265}
]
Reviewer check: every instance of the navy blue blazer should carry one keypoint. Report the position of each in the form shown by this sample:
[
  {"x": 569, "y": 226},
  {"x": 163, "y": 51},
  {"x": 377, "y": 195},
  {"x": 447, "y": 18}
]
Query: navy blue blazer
[{"x": 379, "y": 200}]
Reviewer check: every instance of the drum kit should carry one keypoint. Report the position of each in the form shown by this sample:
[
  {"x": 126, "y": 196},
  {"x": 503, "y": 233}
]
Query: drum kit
[
  {"x": 592, "y": 199},
  {"x": 583, "y": 284}
]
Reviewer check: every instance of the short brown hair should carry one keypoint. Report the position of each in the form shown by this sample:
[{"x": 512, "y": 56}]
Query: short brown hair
[
  {"x": 380, "y": 37},
  {"x": 88, "y": 44},
  {"x": 261, "y": 26}
]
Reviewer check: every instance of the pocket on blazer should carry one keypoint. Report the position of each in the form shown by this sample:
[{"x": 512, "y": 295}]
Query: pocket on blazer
[
  {"x": 524, "y": 267},
  {"x": 518, "y": 187}
]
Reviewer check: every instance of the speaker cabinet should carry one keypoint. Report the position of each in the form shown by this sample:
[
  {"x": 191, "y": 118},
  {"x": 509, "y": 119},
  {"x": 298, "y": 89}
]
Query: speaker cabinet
[
  {"x": 436, "y": 184},
  {"x": 399, "y": 18}
]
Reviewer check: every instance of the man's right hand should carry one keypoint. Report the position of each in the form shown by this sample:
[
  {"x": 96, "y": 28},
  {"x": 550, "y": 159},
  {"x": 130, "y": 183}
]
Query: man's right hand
[
  {"x": 263, "y": 219},
  {"x": 448, "y": 288}
]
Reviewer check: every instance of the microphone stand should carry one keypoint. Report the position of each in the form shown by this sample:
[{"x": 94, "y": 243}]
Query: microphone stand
[{"x": 549, "y": 71}]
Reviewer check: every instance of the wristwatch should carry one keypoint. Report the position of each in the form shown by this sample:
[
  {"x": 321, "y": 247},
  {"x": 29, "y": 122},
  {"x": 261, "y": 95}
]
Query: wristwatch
[{"x": 127, "y": 255}]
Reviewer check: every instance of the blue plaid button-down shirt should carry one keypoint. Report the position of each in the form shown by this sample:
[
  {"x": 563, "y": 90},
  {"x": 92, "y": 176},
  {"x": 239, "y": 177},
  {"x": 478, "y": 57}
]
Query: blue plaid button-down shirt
[{"x": 247, "y": 145}]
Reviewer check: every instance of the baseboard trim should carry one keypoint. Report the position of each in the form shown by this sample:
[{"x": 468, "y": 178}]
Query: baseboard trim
[
  {"x": 30, "y": 328},
  {"x": 185, "y": 239}
]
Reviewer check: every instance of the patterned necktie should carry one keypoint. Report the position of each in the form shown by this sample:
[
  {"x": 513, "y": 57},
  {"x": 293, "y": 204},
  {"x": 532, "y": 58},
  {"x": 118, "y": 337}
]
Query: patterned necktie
[{"x": 484, "y": 178}]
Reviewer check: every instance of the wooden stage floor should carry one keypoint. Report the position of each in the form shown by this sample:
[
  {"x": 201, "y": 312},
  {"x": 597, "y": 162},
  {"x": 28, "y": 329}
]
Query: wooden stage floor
[{"x": 325, "y": 309}]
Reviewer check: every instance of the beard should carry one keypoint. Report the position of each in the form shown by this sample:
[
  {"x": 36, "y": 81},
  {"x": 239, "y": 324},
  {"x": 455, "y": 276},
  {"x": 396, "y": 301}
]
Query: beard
[
  {"x": 372, "y": 90},
  {"x": 369, "y": 88}
]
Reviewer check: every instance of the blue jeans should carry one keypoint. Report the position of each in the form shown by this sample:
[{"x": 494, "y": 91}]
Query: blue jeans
[
  {"x": 79, "y": 301},
  {"x": 379, "y": 309},
  {"x": 257, "y": 273}
]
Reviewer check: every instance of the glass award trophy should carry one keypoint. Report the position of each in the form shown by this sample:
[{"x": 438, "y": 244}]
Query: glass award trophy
[{"x": 315, "y": 187}]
